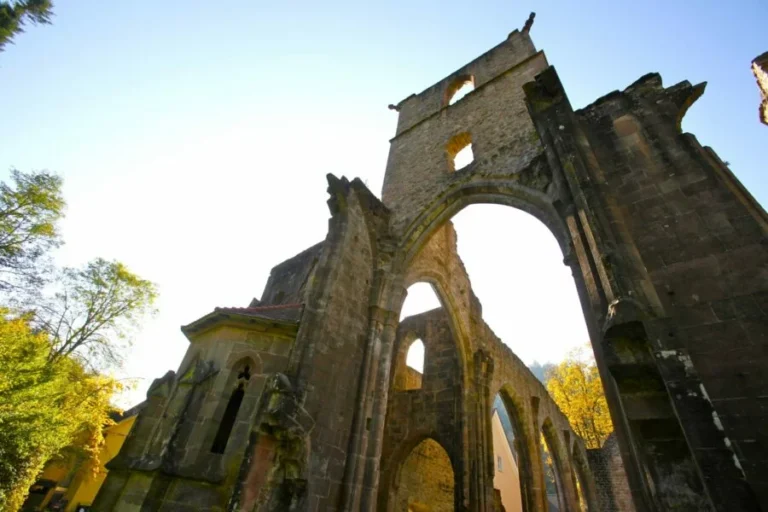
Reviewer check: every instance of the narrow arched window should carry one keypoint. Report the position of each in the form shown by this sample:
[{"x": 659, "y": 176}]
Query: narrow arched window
[
  {"x": 459, "y": 88},
  {"x": 414, "y": 361},
  {"x": 230, "y": 413},
  {"x": 459, "y": 150}
]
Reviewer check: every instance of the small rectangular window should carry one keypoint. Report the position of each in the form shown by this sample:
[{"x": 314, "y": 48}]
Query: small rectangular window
[{"x": 499, "y": 465}]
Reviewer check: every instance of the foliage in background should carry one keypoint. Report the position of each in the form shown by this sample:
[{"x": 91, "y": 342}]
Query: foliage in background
[
  {"x": 29, "y": 211},
  {"x": 14, "y": 15},
  {"x": 44, "y": 407},
  {"x": 59, "y": 329},
  {"x": 540, "y": 370},
  {"x": 576, "y": 388},
  {"x": 93, "y": 312}
]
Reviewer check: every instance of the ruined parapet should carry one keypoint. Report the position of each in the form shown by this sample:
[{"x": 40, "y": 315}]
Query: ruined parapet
[
  {"x": 760, "y": 69},
  {"x": 611, "y": 487}
]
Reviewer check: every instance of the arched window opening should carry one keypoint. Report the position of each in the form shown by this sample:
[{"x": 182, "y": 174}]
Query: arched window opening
[
  {"x": 420, "y": 299},
  {"x": 414, "y": 361},
  {"x": 459, "y": 88},
  {"x": 230, "y": 413},
  {"x": 550, "y": 475},
  {"x": 459, "y": 150},
  {"x": 426, "y": 480},
  {"x": 506, "y": 479},
  {"x": 410, "y": 364},
  {"x": 516, "y": 269}
]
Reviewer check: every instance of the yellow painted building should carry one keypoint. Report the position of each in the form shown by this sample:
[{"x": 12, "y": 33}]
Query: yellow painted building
[
  {"x": 506, "y": 477},
  {"x": 65, "y": 486}
]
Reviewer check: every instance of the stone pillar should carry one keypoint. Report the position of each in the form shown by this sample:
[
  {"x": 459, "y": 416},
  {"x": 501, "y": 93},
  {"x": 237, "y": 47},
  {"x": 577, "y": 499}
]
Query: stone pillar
[
  {"x": 386, "y": 332},
  {"x": 480, "y": 449}
]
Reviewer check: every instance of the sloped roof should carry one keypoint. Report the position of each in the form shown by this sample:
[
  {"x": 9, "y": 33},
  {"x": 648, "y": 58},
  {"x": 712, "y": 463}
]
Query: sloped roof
[
  {"x": 287, "y": 312},
  {"x": 279, "y": 315}
]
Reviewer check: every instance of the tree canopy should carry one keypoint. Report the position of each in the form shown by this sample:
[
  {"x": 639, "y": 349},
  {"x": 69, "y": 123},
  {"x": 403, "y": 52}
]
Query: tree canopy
[
  {"x": 29, "y": 211},
  {"x": 93, "y": 311},
  {"x": 43, "y": 407},
  {"x": 15, "y": 15},
  {"x": 576, "y": 388},
  {"x": 60, "y": 329}
]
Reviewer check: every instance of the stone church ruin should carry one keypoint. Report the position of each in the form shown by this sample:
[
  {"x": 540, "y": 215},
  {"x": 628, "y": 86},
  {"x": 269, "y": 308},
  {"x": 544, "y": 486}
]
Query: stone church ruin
[{"x": 302, "y": 400}]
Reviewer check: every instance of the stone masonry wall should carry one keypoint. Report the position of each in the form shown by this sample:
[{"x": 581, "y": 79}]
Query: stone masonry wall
[
  {"x": 702, "y": 239},
  {"x": 418, "y": 107},
  {"x": 173, "y": 443},
  {"x": 327, "y": 361},
  {"x": 611, "y": 486},
  {"x": 287, "y": 281},
  {"x": 432, "y": 410},
  {"x": 494, "y": 115}
]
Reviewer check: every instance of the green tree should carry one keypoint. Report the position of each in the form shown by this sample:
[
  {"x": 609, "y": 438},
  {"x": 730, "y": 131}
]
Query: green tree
[
  {"x": 58, "y": 331},
  {"x": 14, "y": 15},
  {"x": 576, "y": 388},
  {"x": 94, "y": 311},
  {"x": 29, "y": 211},
  {"x": 44, "y": 407}
]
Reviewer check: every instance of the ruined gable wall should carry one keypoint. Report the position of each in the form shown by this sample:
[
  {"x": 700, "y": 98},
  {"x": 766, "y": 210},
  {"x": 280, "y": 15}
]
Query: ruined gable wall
[
  {"x": 328, "y": 359},
  {"x": 288, "y": 281}
]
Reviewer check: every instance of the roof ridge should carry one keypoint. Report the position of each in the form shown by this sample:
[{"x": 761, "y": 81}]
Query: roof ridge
[{"x": 261, "y": 308}]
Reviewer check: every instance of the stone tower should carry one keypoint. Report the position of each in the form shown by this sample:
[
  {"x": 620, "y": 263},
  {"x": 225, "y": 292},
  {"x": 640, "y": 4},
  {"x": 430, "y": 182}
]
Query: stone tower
[{"x": 301, "y": 400}]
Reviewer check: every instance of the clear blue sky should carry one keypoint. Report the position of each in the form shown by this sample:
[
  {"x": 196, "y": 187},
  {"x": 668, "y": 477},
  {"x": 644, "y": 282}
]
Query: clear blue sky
[{"x": 194, "y": 137}]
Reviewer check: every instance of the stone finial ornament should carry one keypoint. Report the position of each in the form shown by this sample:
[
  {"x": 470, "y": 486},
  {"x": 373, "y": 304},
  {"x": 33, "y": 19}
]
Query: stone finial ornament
[{"x": 529, "y": 23}]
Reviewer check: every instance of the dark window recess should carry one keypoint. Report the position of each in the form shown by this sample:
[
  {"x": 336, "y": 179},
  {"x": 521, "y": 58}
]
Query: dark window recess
[{"x": 230, "y": 414}]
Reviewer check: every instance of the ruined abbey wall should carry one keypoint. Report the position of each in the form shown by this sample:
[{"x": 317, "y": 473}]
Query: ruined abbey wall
[{"x": 668, "y": 253}]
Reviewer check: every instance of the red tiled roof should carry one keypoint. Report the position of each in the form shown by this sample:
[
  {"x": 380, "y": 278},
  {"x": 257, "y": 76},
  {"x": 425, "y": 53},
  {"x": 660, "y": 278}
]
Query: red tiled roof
[{"x": 258, "y": 309}]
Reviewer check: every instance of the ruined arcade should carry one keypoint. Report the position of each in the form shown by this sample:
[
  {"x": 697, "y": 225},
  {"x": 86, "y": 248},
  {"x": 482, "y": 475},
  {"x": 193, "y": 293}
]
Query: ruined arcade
[{"x": 302, "y": 400}]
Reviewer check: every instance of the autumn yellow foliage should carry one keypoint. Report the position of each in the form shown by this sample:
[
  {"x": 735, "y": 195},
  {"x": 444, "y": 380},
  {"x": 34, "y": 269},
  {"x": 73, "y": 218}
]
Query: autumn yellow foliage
[
  {"x": 47, "y": 409},
  {"x": 576, "y": 388}
]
